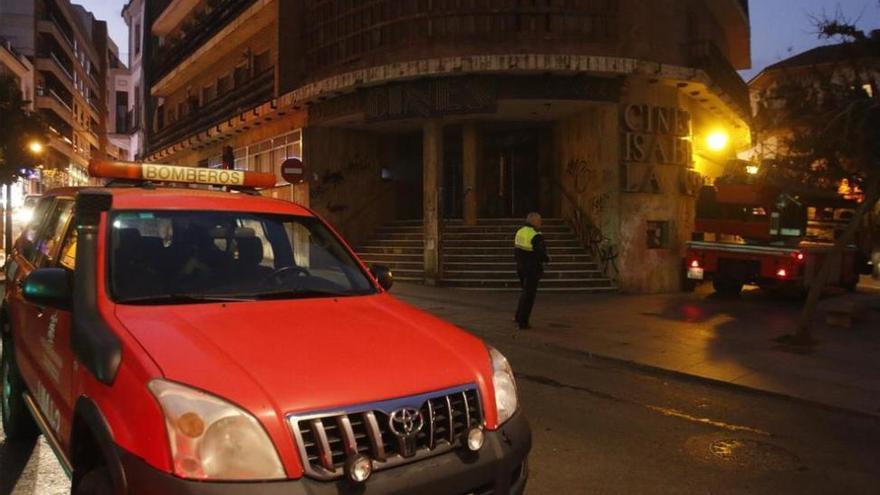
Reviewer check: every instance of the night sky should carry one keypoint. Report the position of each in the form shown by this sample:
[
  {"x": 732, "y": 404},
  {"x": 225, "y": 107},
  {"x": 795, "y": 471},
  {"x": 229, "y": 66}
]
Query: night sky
[{"x": 780, "y": 28}]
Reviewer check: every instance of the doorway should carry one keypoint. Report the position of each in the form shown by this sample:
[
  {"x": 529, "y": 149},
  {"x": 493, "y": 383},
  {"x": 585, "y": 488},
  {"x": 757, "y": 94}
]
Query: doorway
[{"x": 510, "y": 174}]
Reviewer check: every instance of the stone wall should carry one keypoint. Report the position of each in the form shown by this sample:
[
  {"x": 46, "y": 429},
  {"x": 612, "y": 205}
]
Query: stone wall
[
  {"x": 347, "y": 188},
  {"x": 588, "y": 167}
]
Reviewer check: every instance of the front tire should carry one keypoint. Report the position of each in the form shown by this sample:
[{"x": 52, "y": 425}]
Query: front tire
[
  {"x": 95, "y": 482},
  {"x": 18, "y": 424}
]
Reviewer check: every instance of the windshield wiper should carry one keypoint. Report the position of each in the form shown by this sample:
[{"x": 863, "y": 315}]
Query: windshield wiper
[
  {"x": 183, "y": 299},
  {"x": 303, "y": 293}
]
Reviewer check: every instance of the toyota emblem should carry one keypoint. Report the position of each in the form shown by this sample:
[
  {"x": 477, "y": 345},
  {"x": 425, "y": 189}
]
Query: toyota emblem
[{"x": 406, "y": 422}]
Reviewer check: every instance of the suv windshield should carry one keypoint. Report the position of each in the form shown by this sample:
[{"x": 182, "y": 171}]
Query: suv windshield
[{"x": 191, "y": 256}]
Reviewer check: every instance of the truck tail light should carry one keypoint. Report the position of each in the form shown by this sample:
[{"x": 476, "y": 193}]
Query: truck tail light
[
  {"x": 695, "y": 264},
  {"x": 782, "y": 273},
  {"x": 799, "y": 256}
]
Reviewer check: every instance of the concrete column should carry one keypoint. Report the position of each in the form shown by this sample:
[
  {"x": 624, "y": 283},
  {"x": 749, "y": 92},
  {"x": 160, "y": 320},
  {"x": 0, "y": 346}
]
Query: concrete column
[
  {"x": 432, "y": 176},
  {"x": 470, "y": 152}
]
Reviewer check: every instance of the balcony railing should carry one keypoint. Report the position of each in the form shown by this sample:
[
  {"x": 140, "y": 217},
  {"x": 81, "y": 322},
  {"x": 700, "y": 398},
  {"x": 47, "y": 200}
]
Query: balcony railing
[
  {"x": 251, "y": 93},
  {"x": 707, "y": 56},
  {"x": 60, "y": 64},
  {"x": 197, "y": 31}
]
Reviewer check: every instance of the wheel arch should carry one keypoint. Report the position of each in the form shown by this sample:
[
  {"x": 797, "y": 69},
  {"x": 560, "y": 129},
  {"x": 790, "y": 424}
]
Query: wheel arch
[{"x": 91, "y": 442}]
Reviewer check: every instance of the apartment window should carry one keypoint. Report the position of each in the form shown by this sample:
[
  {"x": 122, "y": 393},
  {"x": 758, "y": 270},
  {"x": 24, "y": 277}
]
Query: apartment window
[
  {"x": 240, "y": 75},
  {"x": 224, "y": 84},
  {"x": 160, "y": 116},
  {"x": 262, "y": 62},
  {"x": 137, "y": 39},
  {"x": 121, "y": 111},
  {"x": 209, "y": 92}
]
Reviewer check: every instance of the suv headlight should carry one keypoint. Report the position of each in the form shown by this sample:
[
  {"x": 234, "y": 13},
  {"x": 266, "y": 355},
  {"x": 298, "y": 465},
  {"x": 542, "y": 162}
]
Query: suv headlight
[
  {"x": 213, "y": 439},
  {"x": 506, "y": 401}
]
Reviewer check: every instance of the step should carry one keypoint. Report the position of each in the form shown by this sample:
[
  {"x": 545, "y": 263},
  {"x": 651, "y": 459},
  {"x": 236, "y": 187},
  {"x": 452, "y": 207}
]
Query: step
[
  {"x": 484, "y": 222},
  {"x": 402, "y": 236},
  {"x": 511, "y": 275},
  {"x": 397, "y": 242},
  {"x": 555, "y": 257},
  {"x": 400, "y": 230},
  {"x": 507, "y": 252},
  {"x": 392, "y": 258},
  {"x": 418, "y": 266},
  {"x": 498, "y": 236},
  {"x": 511, "y": 266},
  {"x": 503, "y": 228},
  {"x": 480, "y": 243},
  {"x": 565, "y": 290},
  {"x": 514, "y": 283},
  {"x": 372, "y": 249}
]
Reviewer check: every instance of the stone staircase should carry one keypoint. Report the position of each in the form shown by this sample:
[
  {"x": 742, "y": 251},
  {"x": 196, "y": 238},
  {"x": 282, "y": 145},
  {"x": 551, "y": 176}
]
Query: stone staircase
[{"x": 480, "y": 257}]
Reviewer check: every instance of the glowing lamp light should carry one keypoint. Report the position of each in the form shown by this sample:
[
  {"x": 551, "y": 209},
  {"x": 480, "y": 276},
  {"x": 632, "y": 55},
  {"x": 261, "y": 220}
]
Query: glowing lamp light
[
  {"x": 717, "y": 140},
  {"x": 799, "y": 256},
  {"x": 35, "y": 147},
  {"x": 695, "y": 264},
  {"x": 752, "y": 169},
  {"x": 782, "y": 273}
]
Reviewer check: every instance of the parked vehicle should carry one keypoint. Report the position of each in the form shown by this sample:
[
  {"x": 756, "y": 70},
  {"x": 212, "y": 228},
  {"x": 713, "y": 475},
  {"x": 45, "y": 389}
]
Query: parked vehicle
[
  {"x": 186, "y": 341},
  {"x": 753, "y": 233}
]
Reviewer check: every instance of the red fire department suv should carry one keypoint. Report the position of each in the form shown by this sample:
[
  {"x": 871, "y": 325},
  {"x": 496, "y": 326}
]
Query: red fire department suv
[{"x": 171, "y": 340}]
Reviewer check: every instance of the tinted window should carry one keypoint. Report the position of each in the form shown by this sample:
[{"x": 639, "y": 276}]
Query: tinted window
[
  {"x": 48, "y": 239},
  {"x": 173, "y": 256}
]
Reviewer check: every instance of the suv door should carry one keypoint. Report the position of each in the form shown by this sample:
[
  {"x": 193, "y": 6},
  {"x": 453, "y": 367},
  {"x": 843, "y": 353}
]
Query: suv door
[{"x": 42, "y": 346}]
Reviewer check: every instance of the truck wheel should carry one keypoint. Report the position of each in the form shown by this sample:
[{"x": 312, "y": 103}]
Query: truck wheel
[
  {"x": 18, "y": 424},
  {"x": 95, "y": 482},
  {"x": 727, "y": 287}
]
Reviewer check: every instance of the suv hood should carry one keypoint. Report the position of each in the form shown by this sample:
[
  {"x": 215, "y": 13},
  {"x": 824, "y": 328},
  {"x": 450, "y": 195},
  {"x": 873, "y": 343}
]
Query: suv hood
[{"x": 307, "y": 354}]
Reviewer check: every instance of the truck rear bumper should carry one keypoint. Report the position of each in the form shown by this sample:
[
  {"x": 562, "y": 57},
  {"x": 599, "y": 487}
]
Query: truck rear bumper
[{"x": 499, "y": 468}]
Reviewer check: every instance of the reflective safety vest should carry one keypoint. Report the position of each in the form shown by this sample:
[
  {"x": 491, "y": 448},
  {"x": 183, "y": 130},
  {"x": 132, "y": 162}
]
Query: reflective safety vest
[{"x": 524, "y": 237}]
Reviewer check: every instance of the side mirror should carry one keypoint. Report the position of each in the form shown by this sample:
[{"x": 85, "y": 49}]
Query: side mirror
[
  {"x": 383, "y": 275},
  {"x": 49, "y": 287}
]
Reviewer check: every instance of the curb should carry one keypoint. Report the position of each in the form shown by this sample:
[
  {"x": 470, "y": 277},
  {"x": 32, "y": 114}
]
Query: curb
[{"x": 556, "y": 348}]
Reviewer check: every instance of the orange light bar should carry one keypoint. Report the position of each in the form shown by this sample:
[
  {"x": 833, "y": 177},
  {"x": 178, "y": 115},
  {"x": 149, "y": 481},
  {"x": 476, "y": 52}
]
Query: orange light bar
[{"x": 157, "y": 172}]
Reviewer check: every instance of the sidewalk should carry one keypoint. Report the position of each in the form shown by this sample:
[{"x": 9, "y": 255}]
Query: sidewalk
[{"x": 696, "y": 334}]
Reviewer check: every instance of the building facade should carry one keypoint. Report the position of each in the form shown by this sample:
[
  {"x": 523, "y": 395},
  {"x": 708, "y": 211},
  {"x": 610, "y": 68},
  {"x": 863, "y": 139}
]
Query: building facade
[
  {"x": 596, "y": 111},
  {"x": 69, "y": 51}
]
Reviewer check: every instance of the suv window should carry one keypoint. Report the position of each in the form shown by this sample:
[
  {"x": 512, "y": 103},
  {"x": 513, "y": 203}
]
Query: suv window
[
  {"x": 163, "y": 256},
  {"x": 26, "y": 244},
  {"x": 67, "y": 258},
  {"x": 49, "y": 237}
]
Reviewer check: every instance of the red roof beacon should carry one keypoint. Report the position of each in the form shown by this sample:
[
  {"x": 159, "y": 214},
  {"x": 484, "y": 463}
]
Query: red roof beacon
[{"x": 181, "y": 340}]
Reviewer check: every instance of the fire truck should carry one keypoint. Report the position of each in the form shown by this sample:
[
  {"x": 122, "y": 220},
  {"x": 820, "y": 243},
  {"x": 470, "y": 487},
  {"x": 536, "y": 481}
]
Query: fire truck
[
  {"x": 774, "y": 236},
  {"x": 184, "y": 340}
]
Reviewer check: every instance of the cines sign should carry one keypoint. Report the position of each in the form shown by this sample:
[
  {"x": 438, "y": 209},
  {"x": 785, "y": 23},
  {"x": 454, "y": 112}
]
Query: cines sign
[{"x": 653, "y": 136}]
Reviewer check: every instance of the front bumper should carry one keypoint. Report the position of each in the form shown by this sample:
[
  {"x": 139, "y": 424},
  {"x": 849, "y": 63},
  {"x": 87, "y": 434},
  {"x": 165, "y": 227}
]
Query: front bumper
[{"x": 499, "y": 468}]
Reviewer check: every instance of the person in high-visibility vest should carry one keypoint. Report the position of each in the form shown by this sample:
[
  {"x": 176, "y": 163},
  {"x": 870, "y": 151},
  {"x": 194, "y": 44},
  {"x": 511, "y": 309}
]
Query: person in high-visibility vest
[{"x": 531, "y": 254}]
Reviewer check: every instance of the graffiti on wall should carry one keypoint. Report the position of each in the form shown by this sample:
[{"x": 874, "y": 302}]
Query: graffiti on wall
[
  {"x": 352, "y": 170},
  {"x": 584, "y": 179}
]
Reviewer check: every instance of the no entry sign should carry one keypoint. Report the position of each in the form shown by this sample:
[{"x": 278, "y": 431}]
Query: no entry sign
[{"x": 293, "y": 171}]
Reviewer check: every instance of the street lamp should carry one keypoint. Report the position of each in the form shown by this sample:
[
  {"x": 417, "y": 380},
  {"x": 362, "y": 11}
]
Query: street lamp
[
  {"x": 36, "y": 148},
  {"x": 717, "y": 140}
]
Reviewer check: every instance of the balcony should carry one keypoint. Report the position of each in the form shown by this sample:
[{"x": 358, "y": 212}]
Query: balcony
[
  {"x": 707, "y": 56},
  {"x": 50, "y": 24},
  {"x": 194, "y": 33},
  {"x": 251, "y": 93}
]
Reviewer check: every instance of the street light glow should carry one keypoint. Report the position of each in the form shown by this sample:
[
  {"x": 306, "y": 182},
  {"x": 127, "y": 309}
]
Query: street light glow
[
  {"x": 752, "y": 169},
  {"x": 717, "y": 140},
  {"x": 35, "y": 147}
]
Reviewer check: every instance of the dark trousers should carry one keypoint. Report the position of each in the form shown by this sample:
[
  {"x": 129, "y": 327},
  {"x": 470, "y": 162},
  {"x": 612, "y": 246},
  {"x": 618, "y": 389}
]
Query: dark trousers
[{"x": 528, "y": 279}]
